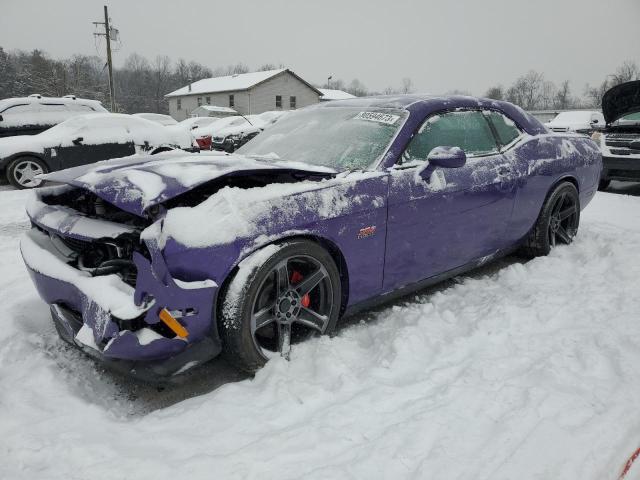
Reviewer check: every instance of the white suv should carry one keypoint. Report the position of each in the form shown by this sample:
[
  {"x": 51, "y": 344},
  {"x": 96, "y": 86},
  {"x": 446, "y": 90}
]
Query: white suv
[{"x": 35, "y": 113}]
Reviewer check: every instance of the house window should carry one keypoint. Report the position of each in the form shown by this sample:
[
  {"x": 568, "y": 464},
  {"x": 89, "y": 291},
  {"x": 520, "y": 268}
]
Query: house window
[
  {"x": 278, "y": 101},
  {"x": 232, "y": 101},
  {"x": 208, "y": 100},
  {"x": 199, "y": 101},
  {"x": 179, "y": 101},
  {"x": 292, "y": 103}
]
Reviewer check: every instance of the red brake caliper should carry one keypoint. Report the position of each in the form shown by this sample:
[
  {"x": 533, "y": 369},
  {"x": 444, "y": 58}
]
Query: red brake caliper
[{"x": 296, "y": 277}]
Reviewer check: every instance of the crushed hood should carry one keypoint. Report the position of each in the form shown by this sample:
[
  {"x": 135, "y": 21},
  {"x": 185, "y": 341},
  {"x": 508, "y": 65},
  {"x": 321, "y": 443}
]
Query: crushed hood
[
  {"x": 136, "y": 183},
  {"x": 621, "y": 100}
]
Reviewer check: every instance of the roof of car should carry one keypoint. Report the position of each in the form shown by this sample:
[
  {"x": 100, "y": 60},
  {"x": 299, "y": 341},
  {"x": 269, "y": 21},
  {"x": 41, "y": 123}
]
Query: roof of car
[
  {"x": 10, "y": 102},
  {"x": 430, "y": 103}
]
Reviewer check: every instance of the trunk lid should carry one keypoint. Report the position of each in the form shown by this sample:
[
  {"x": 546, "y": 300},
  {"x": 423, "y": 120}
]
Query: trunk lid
[{"x": 136, "y": 183}]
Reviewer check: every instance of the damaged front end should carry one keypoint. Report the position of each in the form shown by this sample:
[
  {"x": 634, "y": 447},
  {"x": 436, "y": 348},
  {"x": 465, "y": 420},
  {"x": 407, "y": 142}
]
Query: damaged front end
[{"x": 111, "y": 293}]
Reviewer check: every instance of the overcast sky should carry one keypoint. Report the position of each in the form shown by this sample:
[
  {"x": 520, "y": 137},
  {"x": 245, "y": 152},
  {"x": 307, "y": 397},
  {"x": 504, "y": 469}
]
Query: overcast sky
[{"x": 440, "y": 44}]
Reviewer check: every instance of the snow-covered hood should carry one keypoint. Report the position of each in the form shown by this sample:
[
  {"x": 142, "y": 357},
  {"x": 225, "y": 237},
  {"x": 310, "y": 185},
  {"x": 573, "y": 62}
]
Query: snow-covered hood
[
  {"x": 569, "y": 125},
  {"x": 621, "y": 100},
  {"x": 136, "y": 183}
]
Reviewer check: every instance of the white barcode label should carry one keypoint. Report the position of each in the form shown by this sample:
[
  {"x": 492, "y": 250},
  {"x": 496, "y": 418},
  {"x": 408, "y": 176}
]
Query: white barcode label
[{"x": 379, "y": 117}]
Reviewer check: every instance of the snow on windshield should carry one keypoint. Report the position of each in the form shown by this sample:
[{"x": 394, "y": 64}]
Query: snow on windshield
[{"x": 337, "y": 137}]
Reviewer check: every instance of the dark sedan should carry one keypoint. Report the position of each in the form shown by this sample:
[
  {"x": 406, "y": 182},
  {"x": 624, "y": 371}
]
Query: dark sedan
[{"x": 82, "y": 140}]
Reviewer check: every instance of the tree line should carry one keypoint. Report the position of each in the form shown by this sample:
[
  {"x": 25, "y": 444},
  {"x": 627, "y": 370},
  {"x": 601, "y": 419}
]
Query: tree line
[
  {"x": 532, "y": 91},
  {"x": 141, "y": 84}
]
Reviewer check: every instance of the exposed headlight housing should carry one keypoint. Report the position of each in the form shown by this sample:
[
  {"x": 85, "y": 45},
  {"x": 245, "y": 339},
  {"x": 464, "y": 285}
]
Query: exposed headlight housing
[{"x": 597, "y": 137}]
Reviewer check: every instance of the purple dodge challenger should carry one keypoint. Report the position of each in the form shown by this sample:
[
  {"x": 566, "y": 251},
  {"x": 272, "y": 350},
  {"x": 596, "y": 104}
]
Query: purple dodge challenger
[{"x": 156, "y": 264}]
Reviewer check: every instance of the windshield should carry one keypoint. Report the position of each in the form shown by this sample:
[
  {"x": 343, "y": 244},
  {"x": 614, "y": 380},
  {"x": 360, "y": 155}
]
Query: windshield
[
  {"x": 337, "y": 137},
  {"x": 632, "y": 118}
]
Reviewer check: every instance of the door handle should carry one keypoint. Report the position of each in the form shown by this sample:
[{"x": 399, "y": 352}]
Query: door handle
[{"x": 504, "y": 171}]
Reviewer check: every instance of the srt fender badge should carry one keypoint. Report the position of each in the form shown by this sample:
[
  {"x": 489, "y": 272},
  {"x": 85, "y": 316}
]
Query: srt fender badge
[{"x": 367, "y": 231}]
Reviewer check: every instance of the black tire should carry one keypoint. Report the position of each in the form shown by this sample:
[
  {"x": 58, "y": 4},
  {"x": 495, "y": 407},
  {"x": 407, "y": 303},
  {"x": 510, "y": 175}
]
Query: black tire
[
  {"x": 557, "y": 223},
  {"x": 603, "y": 185},
  {"x": 19, "y": 168},
  {"x": 247, "y": 346}
]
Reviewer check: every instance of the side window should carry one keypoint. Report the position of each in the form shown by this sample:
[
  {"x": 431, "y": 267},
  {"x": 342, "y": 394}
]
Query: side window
[
  {"x": 278, "y": 101},
  {"x": 17, "y": 109},
  {"x": 232, "y": 101},
  {"x": 505, "y": 127},
  {"x": 468, "y": 130}
]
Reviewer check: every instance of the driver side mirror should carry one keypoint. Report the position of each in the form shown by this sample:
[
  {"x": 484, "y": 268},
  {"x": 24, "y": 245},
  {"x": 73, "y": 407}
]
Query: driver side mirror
[
  {"x": 78, "y": 141},
  {"x": 443, "y": 157},
  {"x": 594, "y": 121}
]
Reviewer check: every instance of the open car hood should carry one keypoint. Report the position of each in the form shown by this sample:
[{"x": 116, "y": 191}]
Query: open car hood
[
  {"x": 136, "y": 183},
  {"x": 621, "y": 100}
]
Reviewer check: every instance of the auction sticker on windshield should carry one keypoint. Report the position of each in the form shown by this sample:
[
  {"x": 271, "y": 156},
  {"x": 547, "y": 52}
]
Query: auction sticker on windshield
[{"x": 379, "y": 117}]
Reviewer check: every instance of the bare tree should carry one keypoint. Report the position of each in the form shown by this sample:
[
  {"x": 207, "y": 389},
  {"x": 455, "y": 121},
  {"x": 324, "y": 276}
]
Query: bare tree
[
  {"x": 407, "y": 85},
  {"x": 357, "y": 88},
  {"x": 161, "y": 81},
  {"x": 563, "y": 98},
  {"x": 495, "y": 93},
  {"x": 626, "y": 72},
  {"x": 527, "y": 91}
]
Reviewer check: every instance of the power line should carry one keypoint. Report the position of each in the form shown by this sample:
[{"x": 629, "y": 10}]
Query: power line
[{"x": 109, "y": 32}]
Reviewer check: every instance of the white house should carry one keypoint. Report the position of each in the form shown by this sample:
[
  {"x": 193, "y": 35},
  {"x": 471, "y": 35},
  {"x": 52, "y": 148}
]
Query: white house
[{"x": 247, "y": 93}]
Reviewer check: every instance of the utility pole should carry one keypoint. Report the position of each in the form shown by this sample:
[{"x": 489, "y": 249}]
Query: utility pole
[{"x": 107, "y": 35}]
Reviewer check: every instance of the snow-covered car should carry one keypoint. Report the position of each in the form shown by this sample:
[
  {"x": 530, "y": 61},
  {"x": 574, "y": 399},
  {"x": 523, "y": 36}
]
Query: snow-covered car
[
  {"x": 620, "y": 140},
  {"x": 82, "y": 140},
  {"x": 205, "y": 134},
  {"x": 579, "y": 121},
  {"x": 156, "y": 266},
  {"x": 193, "y": 123},
  {"x": 160, "y": 118},
  {"x": 232, "y": 135},
  {"x": 35, "y": 113}
]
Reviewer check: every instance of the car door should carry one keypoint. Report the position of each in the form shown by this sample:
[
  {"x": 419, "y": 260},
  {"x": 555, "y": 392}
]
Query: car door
[
  {"x": 458, "y": 214},
  {"x": 98, "y": 139}
]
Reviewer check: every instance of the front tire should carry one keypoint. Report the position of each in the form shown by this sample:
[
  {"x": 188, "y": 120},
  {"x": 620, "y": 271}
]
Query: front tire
[
  {"x": 279, "y": 296},
  {"x": 22, "y": 171},
  {"x": 557, "y": 223}
]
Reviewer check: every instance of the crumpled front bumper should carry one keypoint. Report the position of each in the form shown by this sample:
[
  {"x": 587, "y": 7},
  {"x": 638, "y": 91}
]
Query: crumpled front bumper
[{"x": 92, "y": 312}]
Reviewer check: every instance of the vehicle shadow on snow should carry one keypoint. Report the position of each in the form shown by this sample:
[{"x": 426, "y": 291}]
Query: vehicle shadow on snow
[
  {"x": 624, "y": 188},
  {"x": 132, "y": 397}
]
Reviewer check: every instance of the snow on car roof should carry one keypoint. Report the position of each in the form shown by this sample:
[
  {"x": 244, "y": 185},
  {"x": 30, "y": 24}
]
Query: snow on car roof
[
  {"x": 575, "y": 116},
  {"x": 10, "y": 102},
  {"x": 160, "y": 118},
  {"x": 240, "y": 81},
  {"x": 330, "y": 94},
  {"x": 215, "y": 108}
]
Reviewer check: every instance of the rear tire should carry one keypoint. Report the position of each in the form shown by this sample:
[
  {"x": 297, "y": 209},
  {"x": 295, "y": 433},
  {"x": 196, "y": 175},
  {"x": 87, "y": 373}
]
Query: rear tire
[
  {"x": 557, "y": 223},
  {"x": 21, "y": 172},
  {"x": 264, "y": 308},
  {"x": 603, "y": 185}
]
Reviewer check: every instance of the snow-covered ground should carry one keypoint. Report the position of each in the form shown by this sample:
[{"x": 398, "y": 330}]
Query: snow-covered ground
[{"x": 517, "y": 371}]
